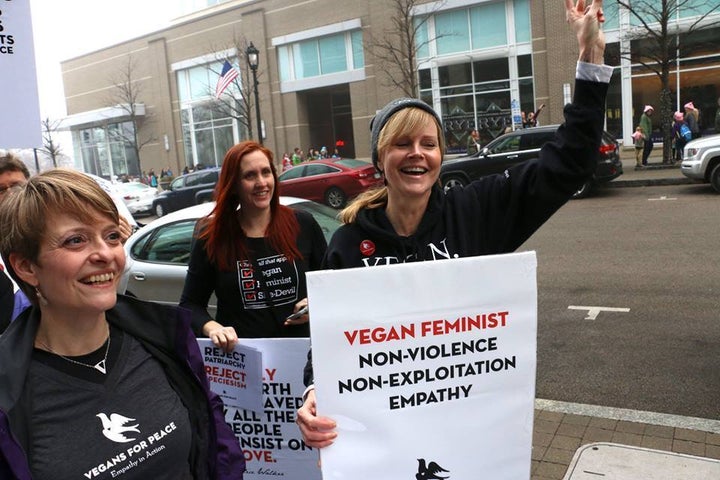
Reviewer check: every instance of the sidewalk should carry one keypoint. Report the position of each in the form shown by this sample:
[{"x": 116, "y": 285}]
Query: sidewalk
[
  {"x": 562, "y": 429},
  {"x": 655, "y": 173}
]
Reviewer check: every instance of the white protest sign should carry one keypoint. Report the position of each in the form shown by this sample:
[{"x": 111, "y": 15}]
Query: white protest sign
[
  {"x": 427, "y": 366},
  {"x": 235, "y": 376},
  {"x": 20, "y": 112},
  {"x": 270, "y": 439}
]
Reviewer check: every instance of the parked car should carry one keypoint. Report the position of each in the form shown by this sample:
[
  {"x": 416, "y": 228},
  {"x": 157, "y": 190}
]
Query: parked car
[
  {"x": 331, "y": 181},
  {"x": 137, "y": 196},
  {"x": 158, "y": 253},
  {"x": 520, "y": 146},
  {"x": 186, "y": 190},
  {"x": 109, "y": 187},
  {"x": 701, "y": 160}
]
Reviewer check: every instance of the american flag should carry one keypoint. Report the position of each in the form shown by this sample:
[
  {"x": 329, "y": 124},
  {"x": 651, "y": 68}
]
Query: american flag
[{"x": 228, "y": 74}]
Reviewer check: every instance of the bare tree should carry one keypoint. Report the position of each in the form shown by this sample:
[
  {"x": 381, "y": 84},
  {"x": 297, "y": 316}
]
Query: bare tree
[
  {"x": 396, "y": 50},
  {"x": 658, "y": 30},
  {"x": 51, "y": 147},
  {"x": 238, "y": 100},
  {"x": 126, "y": 94}
]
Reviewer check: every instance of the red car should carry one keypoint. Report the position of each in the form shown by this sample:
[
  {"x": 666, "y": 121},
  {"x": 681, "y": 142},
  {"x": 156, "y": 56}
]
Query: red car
[{"x": 331, "y": 181}]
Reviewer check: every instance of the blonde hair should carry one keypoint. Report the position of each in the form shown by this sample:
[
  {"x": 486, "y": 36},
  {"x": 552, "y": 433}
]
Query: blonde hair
[
  {"x": 405, "y": 122},
  {"x": 24, "y": 215}
]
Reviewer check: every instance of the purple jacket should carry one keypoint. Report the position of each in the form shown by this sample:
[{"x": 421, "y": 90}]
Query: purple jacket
[{"x": 165, "y": 332}]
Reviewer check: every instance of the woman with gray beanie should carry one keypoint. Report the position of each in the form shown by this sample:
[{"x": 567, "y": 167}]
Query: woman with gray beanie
[{"x": 412, "y": 219}]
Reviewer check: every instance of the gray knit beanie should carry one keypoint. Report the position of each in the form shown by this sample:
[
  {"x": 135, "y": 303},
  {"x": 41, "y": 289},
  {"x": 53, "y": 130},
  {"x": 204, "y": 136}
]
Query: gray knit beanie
[{"x": 380, "y": 119}]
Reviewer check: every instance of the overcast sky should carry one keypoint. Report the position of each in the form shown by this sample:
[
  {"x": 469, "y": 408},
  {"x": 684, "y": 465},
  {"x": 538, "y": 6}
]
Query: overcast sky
[{"x": 64, "y": 29}]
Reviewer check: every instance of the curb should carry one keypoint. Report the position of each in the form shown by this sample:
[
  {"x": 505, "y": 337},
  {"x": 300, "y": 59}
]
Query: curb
[{"x": 649, "y": 182}]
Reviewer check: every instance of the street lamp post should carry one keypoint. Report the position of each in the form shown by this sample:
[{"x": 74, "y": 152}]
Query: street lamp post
[{"x": 253, "y": 58}]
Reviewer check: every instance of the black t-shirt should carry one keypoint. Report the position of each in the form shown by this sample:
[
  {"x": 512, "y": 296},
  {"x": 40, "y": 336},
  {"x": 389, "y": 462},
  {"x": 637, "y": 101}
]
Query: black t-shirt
[
  {"x": 132, "y": 426},
  {"x": 258, "y": 294}
]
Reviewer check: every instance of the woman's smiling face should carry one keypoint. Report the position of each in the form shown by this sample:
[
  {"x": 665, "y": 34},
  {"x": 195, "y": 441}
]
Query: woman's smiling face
[
  {"x": 256, "y": 181},
  {"x": 411, "y": 162},
  {"x": 79, "y": 265}
]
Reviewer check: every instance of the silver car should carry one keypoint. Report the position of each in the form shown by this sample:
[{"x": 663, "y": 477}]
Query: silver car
[
  {"x": 137, "y": 196},
  {"x": 158, "y": 253},
  {"x": 701, "y": 160}
]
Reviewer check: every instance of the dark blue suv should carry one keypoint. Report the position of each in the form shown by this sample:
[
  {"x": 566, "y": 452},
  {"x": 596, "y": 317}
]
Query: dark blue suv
[{"x": 187, "y": 190}]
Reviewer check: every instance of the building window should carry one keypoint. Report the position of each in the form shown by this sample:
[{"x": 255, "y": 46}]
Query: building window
[
  {"x": 522, "y": 20},
  {"x": 476, "y": 95},
  {"x": 106, "y": 151},
  {"x": 325, "y": 55},
  {"x": 475, "y": 28},
  {"x": 699, "y": 70},
  {"x": 208, "y": 127}
]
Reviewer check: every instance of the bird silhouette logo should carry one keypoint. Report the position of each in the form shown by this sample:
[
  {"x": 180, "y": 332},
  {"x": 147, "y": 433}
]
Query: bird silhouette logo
[
  {"x": 431, "y": 471},
  {"x": 115, "y": 427}
]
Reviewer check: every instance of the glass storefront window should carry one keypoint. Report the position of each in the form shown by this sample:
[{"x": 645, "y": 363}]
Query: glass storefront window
[
  {"x": 107, "y": 152},
  {"x": 524, "y": 63},
  {"x": 489, "y": 70},
  {"x": 454, "y": 75},
  {"x": 474, "y": 95}
]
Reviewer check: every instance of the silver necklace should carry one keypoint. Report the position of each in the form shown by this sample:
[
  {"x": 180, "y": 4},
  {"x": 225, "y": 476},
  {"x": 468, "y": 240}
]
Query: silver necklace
[{"x": 100, "y": 366}]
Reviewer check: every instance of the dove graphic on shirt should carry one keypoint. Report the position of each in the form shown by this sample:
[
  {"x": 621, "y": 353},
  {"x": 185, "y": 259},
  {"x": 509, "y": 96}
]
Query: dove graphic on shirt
[
  {"x": 429, "y": 472},
  {"x": 114, "y": 428}
]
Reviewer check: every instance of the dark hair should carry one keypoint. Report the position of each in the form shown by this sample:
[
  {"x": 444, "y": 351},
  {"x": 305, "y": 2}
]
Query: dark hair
[
  {"x": 225, "y": 239},
  {"x": 9, "y": 162}
]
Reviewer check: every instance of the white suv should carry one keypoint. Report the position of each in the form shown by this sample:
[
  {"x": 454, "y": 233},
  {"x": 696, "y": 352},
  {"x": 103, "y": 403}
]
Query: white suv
[{"x": 701, "y": 160}]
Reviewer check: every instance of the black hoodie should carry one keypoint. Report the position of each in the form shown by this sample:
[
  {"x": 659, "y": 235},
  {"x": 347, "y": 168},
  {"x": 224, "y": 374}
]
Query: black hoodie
[{"x": 494, "y": 214}]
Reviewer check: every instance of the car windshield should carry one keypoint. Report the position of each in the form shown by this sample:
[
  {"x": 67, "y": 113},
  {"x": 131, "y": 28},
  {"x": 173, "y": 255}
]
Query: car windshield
[{"x": 325, "y": 216}]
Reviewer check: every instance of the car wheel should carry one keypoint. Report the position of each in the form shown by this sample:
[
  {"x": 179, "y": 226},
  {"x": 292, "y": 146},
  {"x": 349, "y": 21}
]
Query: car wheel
[
  {"x": 159, "y": 210},
  {"x": 335, "y": 197},
  {"x": 715, "y": 178},
  {"x": 584, "y": 190},
  {"x": 453, "y": 181}
]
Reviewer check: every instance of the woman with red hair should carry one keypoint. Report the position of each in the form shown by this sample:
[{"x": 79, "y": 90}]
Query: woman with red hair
[{"x": 252, "y": 253}]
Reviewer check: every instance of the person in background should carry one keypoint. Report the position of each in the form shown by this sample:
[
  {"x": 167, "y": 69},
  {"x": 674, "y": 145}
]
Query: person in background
[
  {"x": 13, "y": 175},
  {"x": 681, "y": 135},
  {"x": 84, "y": 371},
  {"x": 532, "y": 117},
  {"x": 646, "y": 127},
  {"x": 692, "y": 118},
  {"x": 248, "y": 246},
  {"x": 286, "y": 162},
  {"x": 297, "y": 156},
  {"x": 324, "y": 152},
  {"x": 412, "y": 218},
  {"x": 336, "y": 152},
  {"x": 473, "y": 142},
  {"x": 639, "y": 141},
  {"x": 152, "y": 179}
]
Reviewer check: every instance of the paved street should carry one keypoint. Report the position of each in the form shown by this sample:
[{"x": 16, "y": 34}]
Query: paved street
[{"x": 652, "y": 253}]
